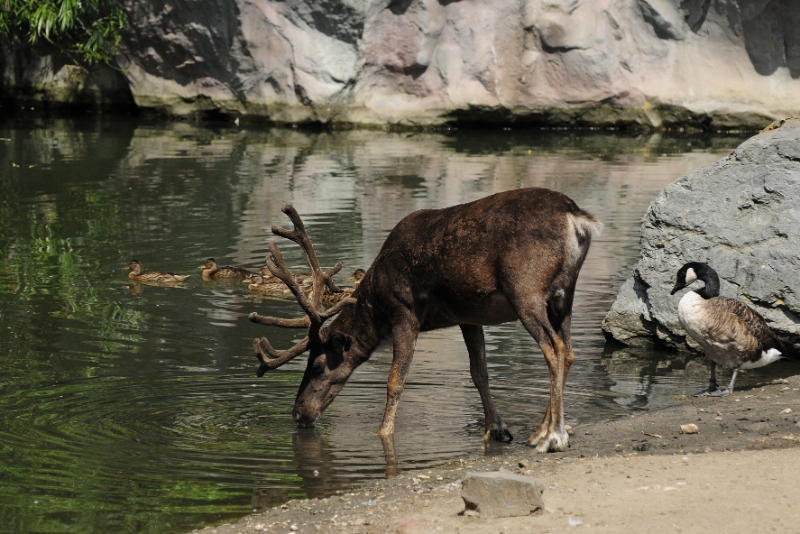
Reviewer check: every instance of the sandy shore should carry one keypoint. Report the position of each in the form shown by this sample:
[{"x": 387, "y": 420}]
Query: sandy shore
[{"x": 739, "y": 473}]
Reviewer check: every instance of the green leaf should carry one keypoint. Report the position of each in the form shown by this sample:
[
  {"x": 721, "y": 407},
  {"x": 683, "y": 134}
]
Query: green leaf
[{"x": 91, "y": 28}]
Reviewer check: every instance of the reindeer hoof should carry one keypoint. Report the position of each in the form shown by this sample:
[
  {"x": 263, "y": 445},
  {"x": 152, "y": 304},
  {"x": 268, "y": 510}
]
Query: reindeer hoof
[
  {"x": 498, "y": 432},
  {"x": 550, "y": 442}
]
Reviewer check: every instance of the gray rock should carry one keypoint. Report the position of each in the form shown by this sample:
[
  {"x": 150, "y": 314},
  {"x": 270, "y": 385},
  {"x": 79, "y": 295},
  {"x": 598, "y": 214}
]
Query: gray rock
[
  {"x": 656, "y": 63},
  {"x": 758, "y": 428},
  {"x": 502, "y": 494},
  {"x": 741, "y": 215}
]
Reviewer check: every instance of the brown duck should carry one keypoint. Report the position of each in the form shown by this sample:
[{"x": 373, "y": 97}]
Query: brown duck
[
  {"x": 329, "y": 299},
  {"x": 212, "y": 270},
  {"x": 302, "y": 279},
  {"x": 357, "y": 276},
  {"x": 257, "y": 284},
  {"x": 137, "y": 274}
]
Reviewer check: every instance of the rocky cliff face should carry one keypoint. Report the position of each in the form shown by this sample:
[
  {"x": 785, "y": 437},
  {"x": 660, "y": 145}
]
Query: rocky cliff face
[
  {"x": 739, "y": 215},
  {"x": 658, "y": 63}
]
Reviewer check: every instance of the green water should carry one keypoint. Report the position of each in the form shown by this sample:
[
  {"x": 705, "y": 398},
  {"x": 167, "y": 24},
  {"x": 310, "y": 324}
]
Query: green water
[{"x": 128, "y": 408}]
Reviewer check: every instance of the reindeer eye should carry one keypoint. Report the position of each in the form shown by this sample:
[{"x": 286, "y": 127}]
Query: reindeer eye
[{"x": 318, "y": 368}]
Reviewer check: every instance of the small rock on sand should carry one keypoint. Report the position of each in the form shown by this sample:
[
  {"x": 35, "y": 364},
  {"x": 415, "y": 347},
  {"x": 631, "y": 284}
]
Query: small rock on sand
[
  {"x": 502, "y": 494},
  {"x": 691, "y": 428}
]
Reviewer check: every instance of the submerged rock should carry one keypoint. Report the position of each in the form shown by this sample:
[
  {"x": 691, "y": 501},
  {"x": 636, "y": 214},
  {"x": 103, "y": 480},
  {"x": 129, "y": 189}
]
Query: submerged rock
[
  {"x": 741, "y": 215},
  {"x": 502, "y": 494}
]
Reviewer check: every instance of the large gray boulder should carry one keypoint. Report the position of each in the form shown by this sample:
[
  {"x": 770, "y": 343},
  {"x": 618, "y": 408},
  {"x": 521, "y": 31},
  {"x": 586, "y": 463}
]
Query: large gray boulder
[
  {"x": 740, "y": 215},
  {"x": 658, "y": 63}
]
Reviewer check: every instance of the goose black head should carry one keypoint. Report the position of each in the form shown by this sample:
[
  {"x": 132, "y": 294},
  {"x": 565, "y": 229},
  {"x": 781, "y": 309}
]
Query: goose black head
[{"x": 697, "y": 271}]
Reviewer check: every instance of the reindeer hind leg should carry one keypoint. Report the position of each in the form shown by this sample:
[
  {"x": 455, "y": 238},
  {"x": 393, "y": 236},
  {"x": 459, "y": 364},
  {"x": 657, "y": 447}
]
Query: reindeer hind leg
[
  {"x": 533, "y": 313},
  {"x": 495, "y": 428}
]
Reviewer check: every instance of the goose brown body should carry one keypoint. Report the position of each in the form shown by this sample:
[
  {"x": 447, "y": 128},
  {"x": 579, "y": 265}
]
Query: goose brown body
[
  {"x": 212, "y": 270},
  {"x": 155, "y": 277}
]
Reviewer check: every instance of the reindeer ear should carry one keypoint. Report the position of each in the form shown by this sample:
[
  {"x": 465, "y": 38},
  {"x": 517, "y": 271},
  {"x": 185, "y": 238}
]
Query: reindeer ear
[{"x": 338, "y": 343}]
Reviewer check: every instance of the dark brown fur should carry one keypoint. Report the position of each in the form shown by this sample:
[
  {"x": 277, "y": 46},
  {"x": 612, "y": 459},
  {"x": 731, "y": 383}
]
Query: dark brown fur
[{"x": 513, "y": 255}]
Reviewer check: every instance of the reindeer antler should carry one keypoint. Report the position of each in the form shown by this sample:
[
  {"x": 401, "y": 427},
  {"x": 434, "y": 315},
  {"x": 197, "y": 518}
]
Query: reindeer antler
[{"x": 269, "y": 357}]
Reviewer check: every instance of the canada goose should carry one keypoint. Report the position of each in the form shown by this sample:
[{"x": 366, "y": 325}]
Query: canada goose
[
  {"x": 212, "y": 270},
  {"x": 731, "y": 333},
  {"x": 137, "y": 274}
]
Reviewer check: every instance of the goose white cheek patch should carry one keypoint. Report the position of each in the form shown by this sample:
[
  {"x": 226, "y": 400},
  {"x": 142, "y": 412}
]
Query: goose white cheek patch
[{"x": 691, "y": 276}]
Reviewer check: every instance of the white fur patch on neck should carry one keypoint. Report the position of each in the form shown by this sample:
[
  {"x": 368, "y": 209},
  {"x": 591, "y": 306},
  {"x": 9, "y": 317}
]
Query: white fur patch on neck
[{"x": 691, "y": 276}]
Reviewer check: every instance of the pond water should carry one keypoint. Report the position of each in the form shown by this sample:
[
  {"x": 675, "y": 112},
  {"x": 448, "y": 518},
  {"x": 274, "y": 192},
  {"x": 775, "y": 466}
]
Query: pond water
[{"x": 129, "y": 408}]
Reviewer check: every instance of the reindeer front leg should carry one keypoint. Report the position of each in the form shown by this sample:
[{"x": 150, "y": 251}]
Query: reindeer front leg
[{"x": 405, "y": 340}]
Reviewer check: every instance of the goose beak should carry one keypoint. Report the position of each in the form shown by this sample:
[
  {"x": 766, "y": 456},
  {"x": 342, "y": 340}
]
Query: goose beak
[{"x": 677, "y": 288}]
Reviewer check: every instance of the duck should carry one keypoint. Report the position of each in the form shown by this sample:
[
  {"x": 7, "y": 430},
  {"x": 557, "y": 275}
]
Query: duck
[
  {"x": 257, "y": 284},
  {"x": 731, "y": 333},
  {"x": 302, "y": 279},
  {"x": 357, "y": 276},
  {"x": 330, "y": 299},
  {"x": 212, "y": 270},
  {"x": 137, "y": 274}
]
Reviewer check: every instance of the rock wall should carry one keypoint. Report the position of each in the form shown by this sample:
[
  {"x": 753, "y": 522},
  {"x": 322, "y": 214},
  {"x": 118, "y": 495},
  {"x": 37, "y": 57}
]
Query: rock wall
[
  {"x": 34, "y": 78},
  {"x": 660, "y": 63},
  {"x": 740, "y": 215}
]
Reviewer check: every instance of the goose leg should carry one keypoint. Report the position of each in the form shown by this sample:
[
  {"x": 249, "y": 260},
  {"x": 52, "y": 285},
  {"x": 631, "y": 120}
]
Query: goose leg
[
  {"x": 728, "y": 390},
  {"x": 712, "y": 383}
]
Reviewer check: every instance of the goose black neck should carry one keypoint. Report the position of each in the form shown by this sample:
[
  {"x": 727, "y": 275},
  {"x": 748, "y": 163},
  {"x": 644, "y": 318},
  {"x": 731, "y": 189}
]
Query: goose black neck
[{"x": 709, "y": 276}]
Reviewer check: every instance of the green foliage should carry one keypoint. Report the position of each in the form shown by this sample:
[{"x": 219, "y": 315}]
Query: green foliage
[{"x": 89, "y": 30}]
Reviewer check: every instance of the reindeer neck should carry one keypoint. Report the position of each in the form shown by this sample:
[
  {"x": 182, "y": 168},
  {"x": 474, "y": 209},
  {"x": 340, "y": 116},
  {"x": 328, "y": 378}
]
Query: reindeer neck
[{"x": 360, "y": 321}]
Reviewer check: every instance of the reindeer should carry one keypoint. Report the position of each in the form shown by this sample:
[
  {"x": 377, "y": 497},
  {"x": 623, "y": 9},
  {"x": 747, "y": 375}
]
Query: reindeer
[{"x": 513, "y": 255}]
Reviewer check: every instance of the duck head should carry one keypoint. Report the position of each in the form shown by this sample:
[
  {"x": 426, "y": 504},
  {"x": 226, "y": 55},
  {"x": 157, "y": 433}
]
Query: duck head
[
  {"x": 210, "y": 264},
  {"x": 357, "y": 275},
  {"x": 135, "y": 266},
  {"x": 254, "y": 279}
]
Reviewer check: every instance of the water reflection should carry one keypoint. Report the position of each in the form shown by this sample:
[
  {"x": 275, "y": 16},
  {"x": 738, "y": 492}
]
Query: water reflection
[
  {"x": 650, "y": 379},
  {"x": 134, "y": 408}
]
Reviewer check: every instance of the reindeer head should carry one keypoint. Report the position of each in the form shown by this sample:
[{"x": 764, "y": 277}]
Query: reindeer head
[{"x": 328, "y": 368}]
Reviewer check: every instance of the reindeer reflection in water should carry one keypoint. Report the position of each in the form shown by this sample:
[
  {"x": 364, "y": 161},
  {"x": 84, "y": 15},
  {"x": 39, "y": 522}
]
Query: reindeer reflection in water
[{"x": 511, "y": 256}]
